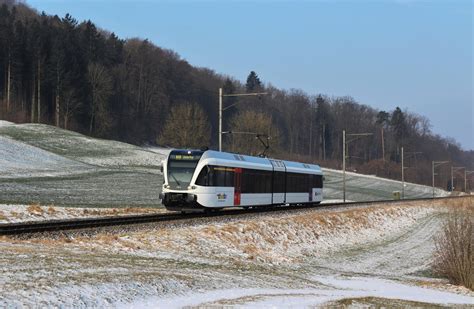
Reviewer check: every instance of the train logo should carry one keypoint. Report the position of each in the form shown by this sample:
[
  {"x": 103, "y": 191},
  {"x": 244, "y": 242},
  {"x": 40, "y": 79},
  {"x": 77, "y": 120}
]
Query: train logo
[{"x": 221, "y": 197}]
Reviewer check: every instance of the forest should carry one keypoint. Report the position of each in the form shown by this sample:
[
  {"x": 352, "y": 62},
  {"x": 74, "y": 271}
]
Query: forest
[{"x": 70, "y": 74}]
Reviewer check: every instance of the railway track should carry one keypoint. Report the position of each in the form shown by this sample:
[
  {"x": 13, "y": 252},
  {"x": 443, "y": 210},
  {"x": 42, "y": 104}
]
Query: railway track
[{"x": 89, "y": 223}]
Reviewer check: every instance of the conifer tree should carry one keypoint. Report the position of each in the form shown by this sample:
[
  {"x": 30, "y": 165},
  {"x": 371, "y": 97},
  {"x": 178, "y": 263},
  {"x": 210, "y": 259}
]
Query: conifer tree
[{"x": 253, "y": 82}]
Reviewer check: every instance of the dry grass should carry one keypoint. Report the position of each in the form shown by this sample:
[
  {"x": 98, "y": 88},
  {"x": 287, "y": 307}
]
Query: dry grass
[
  {"x": 2, "y": 216},
  {"x": 16, "y": 215},
  {"x": 35, "y": 209},
  {"x": 454, "y": 254},
  {"x": 51, "y": 210}
]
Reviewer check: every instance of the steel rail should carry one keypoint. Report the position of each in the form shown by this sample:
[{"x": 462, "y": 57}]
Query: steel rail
[{"x": 31, "y": 227}]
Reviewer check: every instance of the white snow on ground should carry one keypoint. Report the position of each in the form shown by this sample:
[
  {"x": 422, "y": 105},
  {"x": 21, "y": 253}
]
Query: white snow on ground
[
  {"x": 268, "y": 239},
  {"x": 360, "y": 187},
  {"x": 19, "y": 160},
  {"x": 257, "y": 260},
  {"x": 28, "y": 213},
  {"x": 75, "y": 146},
  {"x": 4, "y": 123},
  {"x": 340, "y": 288}
]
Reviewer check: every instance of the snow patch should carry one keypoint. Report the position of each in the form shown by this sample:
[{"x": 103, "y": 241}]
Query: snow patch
[
  {"x": 10, "y": 213},
  {"x": 18, "y": 160},
  {"x": 4, "y": 123},
  {"x": 340, "y": 288}
]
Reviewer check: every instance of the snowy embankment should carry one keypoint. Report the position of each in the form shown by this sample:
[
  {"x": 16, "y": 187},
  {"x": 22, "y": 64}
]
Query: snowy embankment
[
  {"x": 302, "y": 258},
  {"x": 35, "y": 212},
  {"x": 286, "y": 239}
]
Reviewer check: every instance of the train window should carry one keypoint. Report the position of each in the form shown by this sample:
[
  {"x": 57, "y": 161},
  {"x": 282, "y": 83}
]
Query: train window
[
  {"x": 247, "y": 181},
  {"x": 216, "y": 176},
  {"x": 298, "y": 182},
  {"x": 219, "y": 177},
  {"x": 256, "y": 181},
  {"x": 268, "y": 181},
  {"x": 317, "y": 181},
  {"x": 203, "y": 178},
  {"x": 279, "y": 182},
  {"x": 229, "y": 177},
  {"x": 289, "y": 182}
]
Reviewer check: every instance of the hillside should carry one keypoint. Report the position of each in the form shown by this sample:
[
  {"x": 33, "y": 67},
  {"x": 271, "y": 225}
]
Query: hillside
[
  {"x": 361, "y": 187},
  {"x": 78, "y": 147},
  {"x": 47, "y": 165}
]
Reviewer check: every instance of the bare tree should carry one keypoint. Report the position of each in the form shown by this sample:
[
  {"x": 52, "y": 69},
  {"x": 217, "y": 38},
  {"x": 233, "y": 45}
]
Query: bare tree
[
  {"x": 246, "y": 125},
  {"x": 187, "y": 126},
  {"x": 70, "y": 105},
  {"x": 101, "y": 87}
]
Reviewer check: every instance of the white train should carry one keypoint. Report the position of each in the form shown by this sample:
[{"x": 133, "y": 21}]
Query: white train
[{"x": 195, "y": 179}]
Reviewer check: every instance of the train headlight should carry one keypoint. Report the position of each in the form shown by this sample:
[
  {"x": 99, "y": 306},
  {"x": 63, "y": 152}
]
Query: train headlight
[
  {"x": 191, "y": 187},
  {"x": 166, "y": 186}
]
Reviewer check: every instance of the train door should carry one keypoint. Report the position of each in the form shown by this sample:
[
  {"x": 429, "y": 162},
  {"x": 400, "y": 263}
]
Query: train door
[
  {"x": 278, "y": 184},
  {"x": 237, "y": 186}
]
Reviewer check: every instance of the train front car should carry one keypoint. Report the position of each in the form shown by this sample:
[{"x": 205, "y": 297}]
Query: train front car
[
  {"x": 197, "y": 180},
  {"x": 178, "y": 171}
]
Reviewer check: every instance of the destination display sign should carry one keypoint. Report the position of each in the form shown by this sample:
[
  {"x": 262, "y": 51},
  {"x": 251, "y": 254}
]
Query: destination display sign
[{"x": 185, "y": 157}]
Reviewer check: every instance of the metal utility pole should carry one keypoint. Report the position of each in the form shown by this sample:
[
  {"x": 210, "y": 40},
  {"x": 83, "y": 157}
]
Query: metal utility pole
[
  {"x": 435, "y": 164},
  {"x": 221, "y": 109},
  {"x": 220, "y": 119},
  {"x": 324, "y": 142},
  {"x": 344, "y": 145},
  {"x": 383, "y": 147},
  {"x": 466, "y": 172},
  {"x": 403, "y": 170},
  {"x": 403, "y": 178},
  {"x": 344, "y": 165},
  {"x": 454, "y": 168}
]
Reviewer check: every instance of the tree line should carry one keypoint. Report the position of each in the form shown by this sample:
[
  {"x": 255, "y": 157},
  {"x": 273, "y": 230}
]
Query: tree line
[{"x": 58, "y": 71}]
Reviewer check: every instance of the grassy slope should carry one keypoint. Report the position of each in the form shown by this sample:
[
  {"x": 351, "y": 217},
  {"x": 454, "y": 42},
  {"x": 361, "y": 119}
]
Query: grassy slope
[
  {"x": 365, "y": 187},
  {"x": 76, "y": 170},
  {"x": 79, "y": 147}
]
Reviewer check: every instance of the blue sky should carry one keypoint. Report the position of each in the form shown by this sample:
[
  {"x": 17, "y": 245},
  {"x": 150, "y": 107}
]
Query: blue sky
[{"x": 414, "y": 54}]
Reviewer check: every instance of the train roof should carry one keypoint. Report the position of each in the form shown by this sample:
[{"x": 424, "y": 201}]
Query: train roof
[{"x": 232, "y": 159}]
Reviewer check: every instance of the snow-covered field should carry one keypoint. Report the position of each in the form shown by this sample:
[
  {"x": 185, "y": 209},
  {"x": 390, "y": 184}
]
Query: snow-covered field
[
  {"x": 81, "y": 148},
  {"x": 361, "y": 187},
  {"x": 50, "y": 166},
  {"x": 365, "y": 257},
  {"x": 20, "y": 160}
]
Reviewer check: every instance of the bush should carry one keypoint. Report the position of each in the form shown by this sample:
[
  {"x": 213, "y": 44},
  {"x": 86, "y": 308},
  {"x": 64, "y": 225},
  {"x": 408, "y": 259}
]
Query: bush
[{"x": 454, "y": 245}]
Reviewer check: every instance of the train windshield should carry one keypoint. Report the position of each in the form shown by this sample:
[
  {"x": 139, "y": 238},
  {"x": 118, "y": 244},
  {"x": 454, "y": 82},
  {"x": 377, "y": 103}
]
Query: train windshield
[{"x": 181, "y": 167}]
